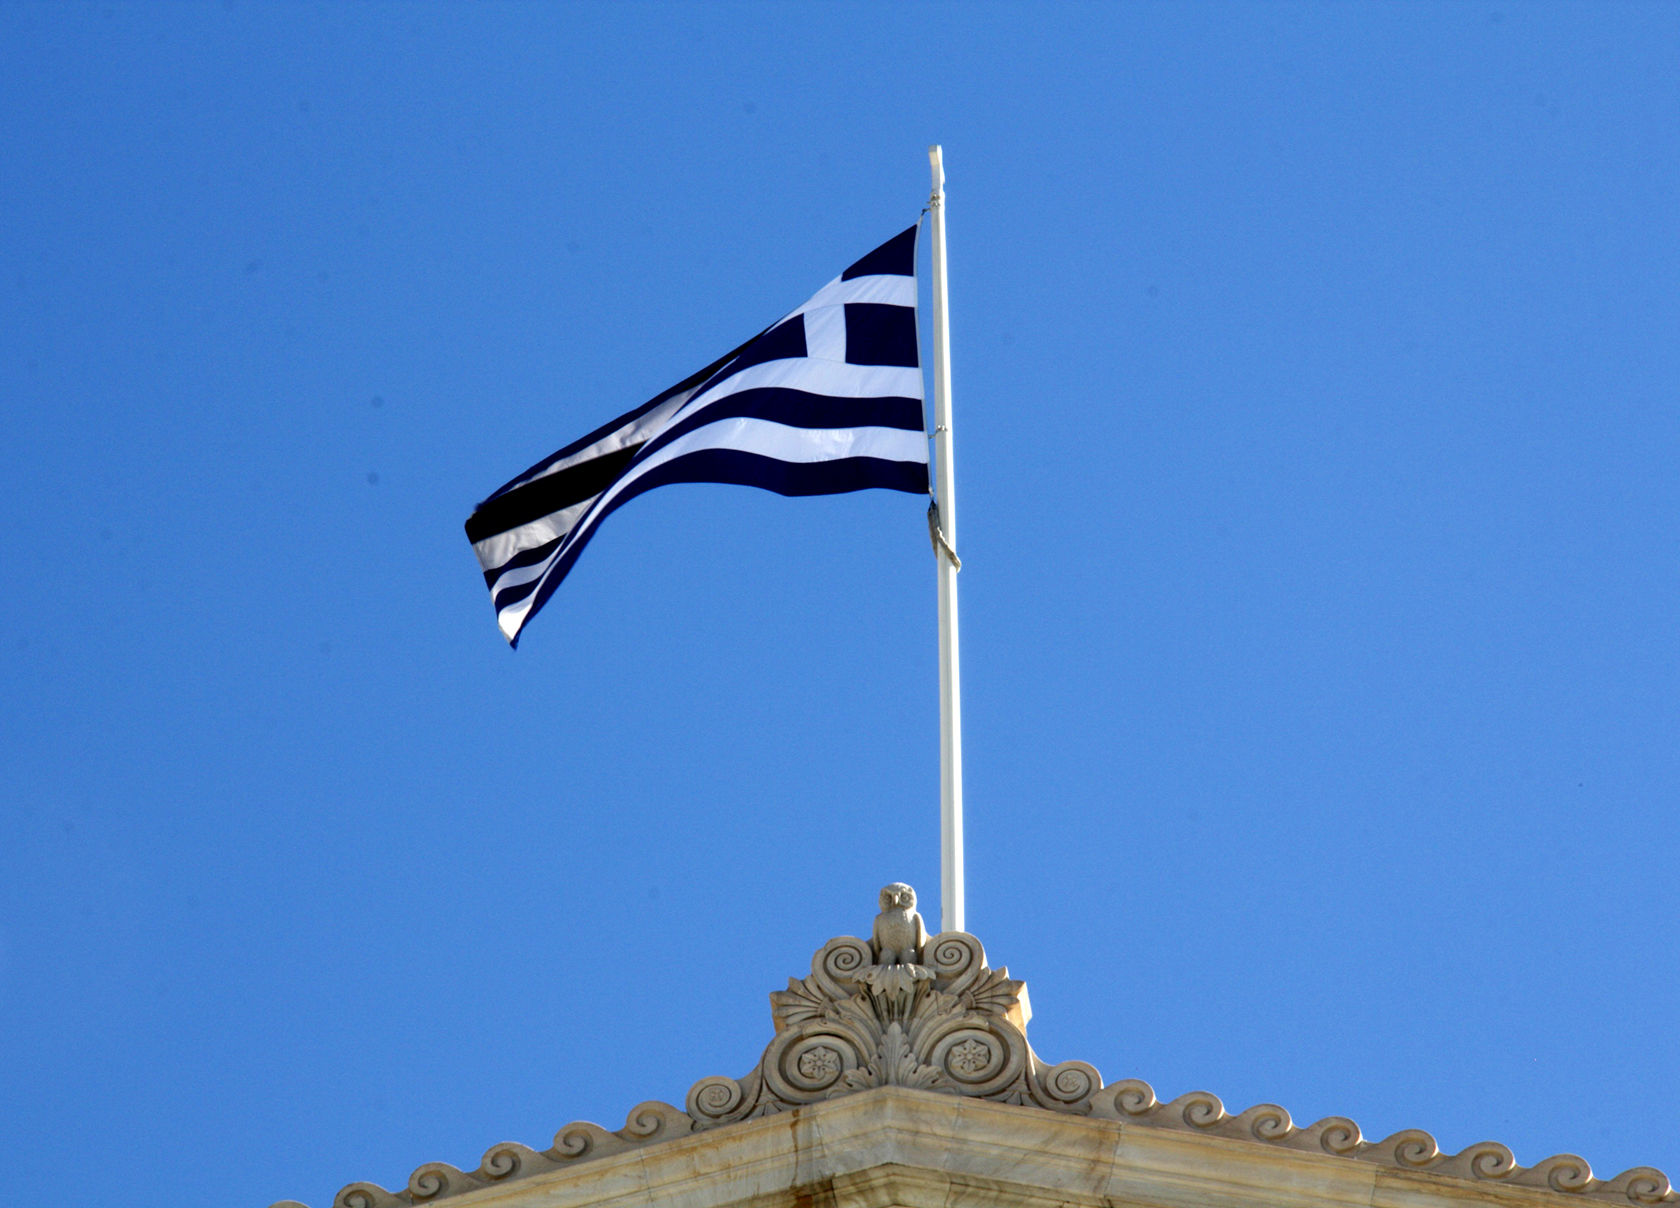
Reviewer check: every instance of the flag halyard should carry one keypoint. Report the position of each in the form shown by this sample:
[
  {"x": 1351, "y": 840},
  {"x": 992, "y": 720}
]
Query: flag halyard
[{"x": 825, "y": 401}]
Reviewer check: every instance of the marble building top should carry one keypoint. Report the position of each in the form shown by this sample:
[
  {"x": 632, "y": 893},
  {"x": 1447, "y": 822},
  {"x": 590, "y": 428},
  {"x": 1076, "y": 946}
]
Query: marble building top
[{"x": 902, "y": 1010}]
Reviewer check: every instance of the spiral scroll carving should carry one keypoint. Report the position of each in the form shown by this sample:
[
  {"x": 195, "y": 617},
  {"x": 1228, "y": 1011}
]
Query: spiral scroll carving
[
  {"x": 1266, "y": 1122},
  {"x": 578, "y": 1140},
  {"x": 1199, "y": 1109},
  {"x": 432, "y": 1180},
  {"x": 715, "y": 1100},
  {"x": 1067, "y": 1087},
  {"x": 652, "y": 1120},
  {"x": 1413, "y": 1147},
  {"x": 503, "y": 1161},
  {"x": 836, "y": 962},
  {"x": 362, "y": 1195},
  {"x": 1644, "y": 1185},
  {"x": 1338, "y": 1135},
  {"x": 1489, "y": 1160},
  {"x": 957, "y": 959},
  {"x": 1561, "y": 1172},
  {"x": 1130, "y": 1098}
]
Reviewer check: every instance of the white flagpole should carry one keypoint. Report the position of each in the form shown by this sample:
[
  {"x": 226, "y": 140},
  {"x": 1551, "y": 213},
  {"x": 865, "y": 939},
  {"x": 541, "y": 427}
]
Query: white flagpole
[{"x": 945, "y": 540}]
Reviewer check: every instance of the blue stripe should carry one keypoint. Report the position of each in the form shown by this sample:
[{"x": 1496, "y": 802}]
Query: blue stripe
[
  {"x": 879, "y": 334},
  {"x": 512, "y": 595},
  {"x": 524, "y": 558},
  {"x": 783, "y": 342},
  {"x": 517, "y": 506},
  {"x": 745, "y": 469},
  {"x": 896, "y": 258}
]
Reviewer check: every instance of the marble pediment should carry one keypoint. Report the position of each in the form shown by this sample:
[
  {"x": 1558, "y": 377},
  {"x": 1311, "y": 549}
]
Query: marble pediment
[{"x": 928, "y": 1016}]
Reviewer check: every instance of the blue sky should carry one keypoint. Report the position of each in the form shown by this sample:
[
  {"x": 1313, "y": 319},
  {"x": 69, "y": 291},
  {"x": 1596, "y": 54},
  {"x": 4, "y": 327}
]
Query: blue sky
[{"x": 1317, "y": 385}]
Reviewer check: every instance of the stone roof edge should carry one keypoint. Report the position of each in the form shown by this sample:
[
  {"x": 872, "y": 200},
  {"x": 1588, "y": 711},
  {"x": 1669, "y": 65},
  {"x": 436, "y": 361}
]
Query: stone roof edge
[
  {"x": 1130, "y": 1100},
  {"x": 929, "y": 1014}
]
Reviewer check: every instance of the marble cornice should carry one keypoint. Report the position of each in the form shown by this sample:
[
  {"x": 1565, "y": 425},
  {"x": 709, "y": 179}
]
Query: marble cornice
[{"x": 930, "y": 1017}]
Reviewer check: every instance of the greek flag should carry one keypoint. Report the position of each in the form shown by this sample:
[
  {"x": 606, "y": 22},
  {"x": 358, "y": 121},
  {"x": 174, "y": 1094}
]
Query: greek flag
[{"x": 827, "y": 400}]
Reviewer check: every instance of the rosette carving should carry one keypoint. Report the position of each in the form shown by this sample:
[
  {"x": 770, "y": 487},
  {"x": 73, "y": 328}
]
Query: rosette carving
[
  {"x": 977, "y": 1059},
  {"x": 809, "y": 1064}
]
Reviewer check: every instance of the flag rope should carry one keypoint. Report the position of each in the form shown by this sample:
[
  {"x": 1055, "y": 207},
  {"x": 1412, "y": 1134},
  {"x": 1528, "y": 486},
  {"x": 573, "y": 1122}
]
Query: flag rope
[{"x": 937, "y": 536}]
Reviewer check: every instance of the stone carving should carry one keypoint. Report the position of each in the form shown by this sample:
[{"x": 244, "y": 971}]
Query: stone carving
[
  {"x": 899, "y": 933},
  {"x": 1409, "y": 1149},
  {"x": 905, "y": 1010},
  {"x": 900, "y": 1010},
  {"x": 438, "y": 1180}
]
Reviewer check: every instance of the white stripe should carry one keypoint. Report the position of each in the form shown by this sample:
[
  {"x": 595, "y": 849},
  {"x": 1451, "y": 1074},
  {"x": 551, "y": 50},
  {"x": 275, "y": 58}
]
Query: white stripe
[
  {"x": 802, "y": 446},
  {"x": 495, "y": 551},
  {"x": 815, "y": 377},
  {"x": 889, "y": 288},
  {"x": 523, "y": 574},
  {"x": 509, "y": 619},
  {"x": 798, "y": 445},
  {"x": 825, "y": 333}
]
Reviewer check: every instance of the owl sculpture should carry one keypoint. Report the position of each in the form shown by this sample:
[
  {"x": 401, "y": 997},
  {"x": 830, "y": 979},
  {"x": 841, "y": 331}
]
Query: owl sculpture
[{"x": 899, "y": 933}]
